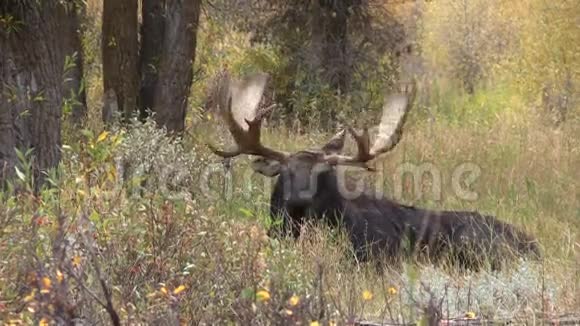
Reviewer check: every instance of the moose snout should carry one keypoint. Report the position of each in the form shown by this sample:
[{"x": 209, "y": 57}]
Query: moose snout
[
  {"x": 298, "y": 198},
  {"x": 299, "y": 190},
  {"x": 298, "y": 202}
]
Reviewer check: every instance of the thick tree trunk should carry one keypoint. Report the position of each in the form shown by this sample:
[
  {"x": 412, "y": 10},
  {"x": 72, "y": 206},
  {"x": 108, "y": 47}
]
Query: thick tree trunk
[
  {"x": 176, "y": 65},
  {"x": 32, "y": 61},
  {"x": 152, "y": 36},
  {"x": 120, "y": 61}
]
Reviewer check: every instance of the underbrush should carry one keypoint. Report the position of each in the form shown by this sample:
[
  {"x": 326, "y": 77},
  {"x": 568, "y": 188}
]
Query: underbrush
[{"x": 176, "y": 235}]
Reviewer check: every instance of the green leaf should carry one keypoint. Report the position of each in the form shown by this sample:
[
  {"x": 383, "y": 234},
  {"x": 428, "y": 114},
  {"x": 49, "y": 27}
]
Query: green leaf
[
  {"x": 25, "y": 113},
  {"x": 21, "y": 156},
  {"x": 19, "y": 173},
  {"x": 95, "y": 217},
  {"x": 247, "y": 293},
  {"x": 87, "y": 133},
  {"x": 246, "y": 212}
]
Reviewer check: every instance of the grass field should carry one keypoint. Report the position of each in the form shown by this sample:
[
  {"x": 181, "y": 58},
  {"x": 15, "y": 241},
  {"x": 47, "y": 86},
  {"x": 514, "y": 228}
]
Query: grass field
[{"x": 195, "y": 233}]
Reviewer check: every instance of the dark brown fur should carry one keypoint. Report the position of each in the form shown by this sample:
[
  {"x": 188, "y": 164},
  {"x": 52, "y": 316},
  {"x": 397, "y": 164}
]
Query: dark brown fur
[{"x": 381, "y": 228}]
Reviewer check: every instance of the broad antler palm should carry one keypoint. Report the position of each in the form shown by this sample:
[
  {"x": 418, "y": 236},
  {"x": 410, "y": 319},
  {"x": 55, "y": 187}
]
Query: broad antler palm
[
  {"x": 238, "y": 102},
  {"x": 397, "y": 105}
]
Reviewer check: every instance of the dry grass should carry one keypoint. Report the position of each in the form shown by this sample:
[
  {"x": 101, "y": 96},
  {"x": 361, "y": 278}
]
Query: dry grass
[{"x": 148, "y": 242}]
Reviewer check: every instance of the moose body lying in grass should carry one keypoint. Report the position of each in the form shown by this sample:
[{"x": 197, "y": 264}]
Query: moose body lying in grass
[{"x": 310, "y": 189}]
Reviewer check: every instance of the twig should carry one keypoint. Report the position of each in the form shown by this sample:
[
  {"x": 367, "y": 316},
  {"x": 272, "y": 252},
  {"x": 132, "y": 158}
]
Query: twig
[
  {"x": 86, "y": 289},
  {"x": 109, "y": 302}
]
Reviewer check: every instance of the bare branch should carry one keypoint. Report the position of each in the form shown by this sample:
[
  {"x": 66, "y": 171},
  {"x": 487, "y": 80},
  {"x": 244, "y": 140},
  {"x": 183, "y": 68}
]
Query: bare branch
[{"x": 106, "y": 291}]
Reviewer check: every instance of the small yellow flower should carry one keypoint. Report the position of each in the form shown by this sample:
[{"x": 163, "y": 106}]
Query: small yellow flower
[
  {"x": 46, "y": 285},
  {"x": 179, "y": 289},
  {"x": 163, "y": 290},
  {"x": 294, "y": 300},
  {"x": 102, "y": 136},
  {"x": 392, "y": 290},
  {"x": 30, "y": 297},
  {"x": 76, "y": 261},
  {"x": 59, "y": 276},
  {"x": 263, "y": 295},
  {"x": 43, "y": 322},
  {"x": 46, "y": 282},
  {"x": 470, "y": 315},
  {"x": 152, "y": 295},
  {"x": 367, "y": 295},
  {"x": 314, "y": 323}
]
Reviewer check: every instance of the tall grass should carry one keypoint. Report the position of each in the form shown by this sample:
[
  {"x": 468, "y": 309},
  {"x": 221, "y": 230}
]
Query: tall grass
[{"x": 149, "y": 242}]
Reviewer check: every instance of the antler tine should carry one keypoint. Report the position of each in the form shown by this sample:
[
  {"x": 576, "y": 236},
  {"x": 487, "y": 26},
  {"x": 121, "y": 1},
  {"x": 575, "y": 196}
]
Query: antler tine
[
  {"x": 397, "y": 105},
  {"x": 239, "y": 101},
  {"x": 363, "y": 144}
]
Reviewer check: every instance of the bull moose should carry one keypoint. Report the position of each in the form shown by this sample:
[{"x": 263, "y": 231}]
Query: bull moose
[{"x": 308, "y": 188}]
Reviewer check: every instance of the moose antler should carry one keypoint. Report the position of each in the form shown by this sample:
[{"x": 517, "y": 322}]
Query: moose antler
[
  {"x": 397, "y": 105},
  {"x": 238, "y": 102}
]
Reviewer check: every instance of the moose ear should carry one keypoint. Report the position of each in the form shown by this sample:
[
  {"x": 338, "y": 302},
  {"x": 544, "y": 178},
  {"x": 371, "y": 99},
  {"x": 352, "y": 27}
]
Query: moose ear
[
  {"x": 335, "y": 144},
  {"x": 267, "y": 167}
]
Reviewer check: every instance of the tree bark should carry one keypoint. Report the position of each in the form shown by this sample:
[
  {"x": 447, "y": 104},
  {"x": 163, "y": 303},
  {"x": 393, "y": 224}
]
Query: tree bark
[
  {"x": 31, "y": 86},
  {"x": 329, "y": 46},
  {"x": 334, "y": 49},
  {"x": 74, "y": 90},
  {"x": 120, "y": 58},
  {"x": 176, "y": 65},
  {"x": 152, "y": 36}
]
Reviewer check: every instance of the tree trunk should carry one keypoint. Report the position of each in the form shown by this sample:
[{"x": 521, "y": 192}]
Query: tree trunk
[
  {"x": 152, "y": 36},
  {"x": 176, "y": 65},
  {"x": 334, "y": 51},
  {"x": 31, "y": 93},
  {"x": 329, "y": 40},
  {"x": 317, "y": 32},
  {"x": 329, "y": 44},
  {"x": 120, "y": 61},
  {"x": 74, "y": 91}
]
